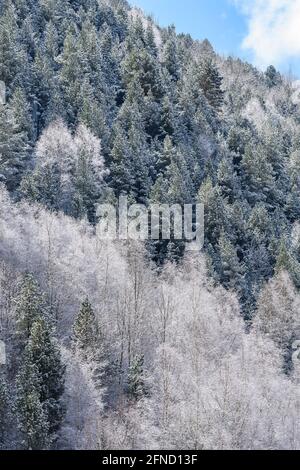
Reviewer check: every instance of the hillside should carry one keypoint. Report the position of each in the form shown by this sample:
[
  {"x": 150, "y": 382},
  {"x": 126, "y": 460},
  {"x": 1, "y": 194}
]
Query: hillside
[{"x": 124, "y": 344}]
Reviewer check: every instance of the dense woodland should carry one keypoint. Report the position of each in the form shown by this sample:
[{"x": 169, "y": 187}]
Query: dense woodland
[{"x": 125, "y": 345}]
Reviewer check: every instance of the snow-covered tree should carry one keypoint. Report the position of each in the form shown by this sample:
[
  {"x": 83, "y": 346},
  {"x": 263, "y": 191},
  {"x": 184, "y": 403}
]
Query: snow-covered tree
[
  {"x": 30, "y": 306},
  {"x": 33, "y": 423},
  {"x": 45, "y": 355},
  {"x": 85, "y": 327}
]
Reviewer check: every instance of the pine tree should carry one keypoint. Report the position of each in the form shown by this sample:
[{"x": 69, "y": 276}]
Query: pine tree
[
  {"x": 239, "y": 136},
  {"x": 121, "y": 173},
  {"x": 85, "y": 327},
  {"x": 69, "y": 171},
  {"x": 210, "y": 82},
  {"x": 140, "y": 67},
  {"x": 180, "y": 183},
  {"x": 10, "y": 52},
  {"x": 231, "y": 269},
  {"x": 227, "y": 179},
  {"x": 40, "y": 381},
  {"x": 273, "y": 77},
  {"x": 71, "y": 73},
  {"x": 88, "y": 174},
  {"x": 5, "y": 410},
  {"x": 136, "y": 33},
  {"x": 110, "y": 67},
  {"x": 30, "y": 306},
  {"x": 166, "y": 156},
  {"x": 93, "y": 112},
  {"x": 130, "y": 152},
  {"x": 33, "y": 423},
  {"x": 150, "y": 40},
  {"x": 292, "y": 207},
  {"x": 259, "y": 225},
  {"x": 136, "y": 379},
  {"x": 216, "y": 214},
  {"x": 167, "y": 124},
  {"x": 287, "y": 261},
  {"x": 13, "y": 149},
  {"x": 22, "y": 113},
  {"x": 170, "y": 58},
  {"x": 51, "y": 43},
  {"x": 45, "y": 355},
  {"x": 257, "y": 176}
]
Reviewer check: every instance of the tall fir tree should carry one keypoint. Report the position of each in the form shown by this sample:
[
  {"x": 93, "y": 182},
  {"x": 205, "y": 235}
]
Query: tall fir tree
[
  {"x": 136, "y": 379},
  {"x": 85, "y": 327},
  {"x": 210, "y": 82},
  {"x": 44, "y": 354},
  {"x": 30, "y": 306},
  {"x": 13, "y": 149},
  {"x": 5, "y": 411}
]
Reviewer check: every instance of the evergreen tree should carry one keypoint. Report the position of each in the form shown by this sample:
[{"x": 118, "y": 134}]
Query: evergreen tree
[
  {"x": 22, "y": 113},
  {"x": 292, "y": 207},
  {"x": 150, "y": 40},
  {"x": 51, "y": 44},
  {"x": 216, "y": 215},
  {"x": 210, "y": 82},
  {"x": 273, "y": 77},
  {"x": 167, "y": 117},
  {"x": 130, "y": 152},
  {"x": 10, "y": 47},
  {"x": 258, "y": 177},
  {"x": 277, "y": 313},
  {"x": 227, "y": 180},
  {"x": 166, "y": 156},
  {"x": 122, "y": 178},
  {"x": 180, "y": 189},
  {"x": 286, "y": 261},
  {"x": 30, "y": 306},
  {"x": 231, "y": 269},
  {"x": 259, "y": 225},
  {"x": 44, "y": 354},
  {"x": 170, "y": 58},
  {"x": 13, "y": 149},
  {"x": 93, "y": 112},
  {"x": 88, "y": 174},
  {"x": 5, "y": 411},
  {"x": 140, "y": 67}
]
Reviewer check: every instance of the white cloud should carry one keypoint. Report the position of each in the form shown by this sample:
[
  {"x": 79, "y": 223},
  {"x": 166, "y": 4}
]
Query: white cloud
[{"x": 274, "y": 30}]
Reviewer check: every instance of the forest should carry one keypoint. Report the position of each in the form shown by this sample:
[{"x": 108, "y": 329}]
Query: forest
[{"x": 123, "y": 344}]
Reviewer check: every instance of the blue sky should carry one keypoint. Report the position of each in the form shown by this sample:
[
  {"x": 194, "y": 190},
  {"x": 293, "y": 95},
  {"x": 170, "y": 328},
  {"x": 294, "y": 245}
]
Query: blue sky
[{"x": 259, "y": 31}]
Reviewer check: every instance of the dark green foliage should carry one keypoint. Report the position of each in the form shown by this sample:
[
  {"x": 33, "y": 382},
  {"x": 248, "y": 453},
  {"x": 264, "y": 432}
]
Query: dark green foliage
[
  {"x": 40, "y": 380},
  {"x": 30, "y": 306},
  {"x": 33, "y": 423},
  {"x": 45, "y": 354},
  {"x": 136, "y": 379},
  {"x": 273, "y": 77},
  {"x": 5, "y": 410},
  {"x": 177, "y": 124},
  {"x": 210, "y": 82},
  {"x": 85, "y": 327}
]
